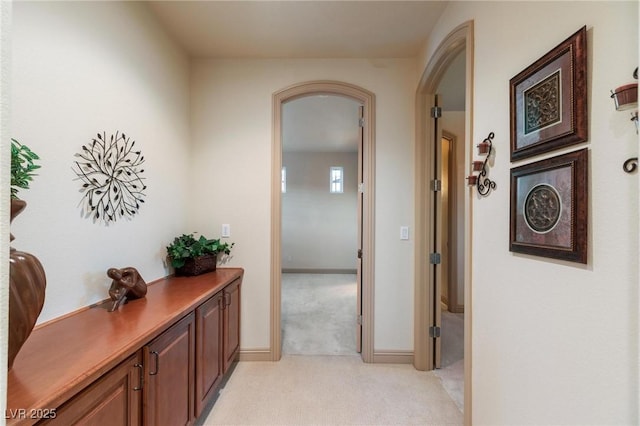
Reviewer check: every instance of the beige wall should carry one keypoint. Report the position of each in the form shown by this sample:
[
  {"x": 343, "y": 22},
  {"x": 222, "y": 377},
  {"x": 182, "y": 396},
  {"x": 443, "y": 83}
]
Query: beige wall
[
  {"x": 85, "y": 67},
  {"x": 319, "y": 229},
  {"x": 231, "y": 128},
  {"x": 554, "y": 342},
  {"x": 5, "y": 180}
]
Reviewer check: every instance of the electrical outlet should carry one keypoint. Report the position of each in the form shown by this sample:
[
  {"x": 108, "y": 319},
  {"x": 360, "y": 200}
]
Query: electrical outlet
[
  {"x": 226, "y": 230},
  {"x": 404, "y": 232}
]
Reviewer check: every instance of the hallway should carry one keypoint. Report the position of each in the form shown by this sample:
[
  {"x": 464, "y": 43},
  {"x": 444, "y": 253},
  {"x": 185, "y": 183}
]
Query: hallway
[
  {"x": 318, "y": 313},
  {"x": 332, "y": 390},
  {"x": 321, "y": 379}
]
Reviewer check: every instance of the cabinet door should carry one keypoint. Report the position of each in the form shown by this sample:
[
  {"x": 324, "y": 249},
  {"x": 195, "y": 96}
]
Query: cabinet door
[
  {"x": 112, "y": 400},
  {"x": 169, "y": 373},
  {"x": 231, "y": 324},
  {"x": 208, "y": 350}
]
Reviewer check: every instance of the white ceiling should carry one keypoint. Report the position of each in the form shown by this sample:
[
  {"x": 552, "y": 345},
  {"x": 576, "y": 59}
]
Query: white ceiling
[
  {"x": 299, "y": 29},
  {"x": 306, "y": 29}
]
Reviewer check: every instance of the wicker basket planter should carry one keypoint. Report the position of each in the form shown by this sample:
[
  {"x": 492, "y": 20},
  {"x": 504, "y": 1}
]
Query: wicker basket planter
[{"x": 198, "y": 265}]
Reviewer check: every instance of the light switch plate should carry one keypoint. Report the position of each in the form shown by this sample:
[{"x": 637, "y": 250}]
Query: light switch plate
[
  {"x": 404, "y": 232},
  {"x": 226, "y": 230}
]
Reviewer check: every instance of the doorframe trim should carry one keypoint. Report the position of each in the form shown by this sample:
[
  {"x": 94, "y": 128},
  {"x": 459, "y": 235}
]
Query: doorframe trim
[
  {"x": 452, "y": 44},
  {"x": 367, "y": 98}
]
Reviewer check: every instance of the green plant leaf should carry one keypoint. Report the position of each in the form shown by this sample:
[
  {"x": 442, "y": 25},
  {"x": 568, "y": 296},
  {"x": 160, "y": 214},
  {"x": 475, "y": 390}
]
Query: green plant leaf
[
  {"x": 22, "y": 167},
  {"x": 187, "y": 246}
]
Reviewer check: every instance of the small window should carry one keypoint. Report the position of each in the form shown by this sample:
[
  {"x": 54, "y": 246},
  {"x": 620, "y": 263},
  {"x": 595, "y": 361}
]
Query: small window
[
  {"x": 283, "y": 177},
  {"x": 336, "y": 180}
]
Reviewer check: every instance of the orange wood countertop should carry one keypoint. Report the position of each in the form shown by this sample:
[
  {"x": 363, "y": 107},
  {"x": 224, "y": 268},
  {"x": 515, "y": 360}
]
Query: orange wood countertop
[{"x": 62, "y": 357}]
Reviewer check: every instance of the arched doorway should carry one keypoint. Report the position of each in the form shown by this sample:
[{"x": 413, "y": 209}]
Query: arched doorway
[
  {"x": 367, "y": 100},
  {"x": 426, "y": 302}
]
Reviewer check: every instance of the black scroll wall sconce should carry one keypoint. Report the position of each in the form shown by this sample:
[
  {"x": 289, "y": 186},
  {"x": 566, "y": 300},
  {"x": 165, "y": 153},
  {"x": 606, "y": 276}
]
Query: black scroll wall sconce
[
  {"x": 625, "y": 99},
  {"x": 481, "y": 181}
]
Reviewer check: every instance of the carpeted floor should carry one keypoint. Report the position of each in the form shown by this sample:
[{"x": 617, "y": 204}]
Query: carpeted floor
[
  {"x": 318, "y": 317},
  {"x": 311, "y": 385},
  {"x": 332, "y": 390},
  {"x": 452, "y": 371},
  {"x": 318, "y": 314}
]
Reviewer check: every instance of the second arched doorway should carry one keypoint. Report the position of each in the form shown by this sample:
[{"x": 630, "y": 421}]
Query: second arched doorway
[{"x": 366, "y": 191}]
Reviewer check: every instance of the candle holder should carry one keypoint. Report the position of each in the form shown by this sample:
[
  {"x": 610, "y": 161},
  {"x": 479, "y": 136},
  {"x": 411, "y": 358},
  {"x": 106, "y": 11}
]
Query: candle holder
[
  {"x": 483, "y": 184},
  {"x": 472, "y": 180},
  {"x": 626, "y": 98},
  {"x": 484, "y": 147}
]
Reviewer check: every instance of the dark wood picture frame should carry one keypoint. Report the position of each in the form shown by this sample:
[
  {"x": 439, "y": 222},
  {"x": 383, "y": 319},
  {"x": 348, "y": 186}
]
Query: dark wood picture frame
[
  {"x": 549, "y": 203},
  {"x": 548, "y": 100}
]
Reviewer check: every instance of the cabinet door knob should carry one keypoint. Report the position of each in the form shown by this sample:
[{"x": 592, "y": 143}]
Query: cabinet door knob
[{"x": 157, "y": 363}]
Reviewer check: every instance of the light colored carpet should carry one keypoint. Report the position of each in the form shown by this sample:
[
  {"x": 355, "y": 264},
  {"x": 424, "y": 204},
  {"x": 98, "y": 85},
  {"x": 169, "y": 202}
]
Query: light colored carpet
[
  {"x": 318, "y": 318},
  {"x": 318, "y": 314},
  {"x": 452, "y": 372},
  {"x": 452, "y": 332},
  {"x": 452, "y": 378},
  {"x": 332, "y": 390}
]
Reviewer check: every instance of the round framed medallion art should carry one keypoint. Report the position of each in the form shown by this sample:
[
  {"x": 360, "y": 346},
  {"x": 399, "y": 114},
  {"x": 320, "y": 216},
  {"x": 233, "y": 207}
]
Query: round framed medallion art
[{"x": 542, "y": 208}]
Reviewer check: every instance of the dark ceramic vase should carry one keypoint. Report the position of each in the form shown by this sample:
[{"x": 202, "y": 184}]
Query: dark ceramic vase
[{"x": 26, "y": 292}]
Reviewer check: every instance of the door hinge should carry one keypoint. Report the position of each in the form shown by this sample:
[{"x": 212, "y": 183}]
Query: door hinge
[
  {"x": 436, "y": 185},
  {"x": 359, "y": 253},
  {"x": 361, "y": 122},
  {"x": 359, "y": 319},
  {"x": 435, "y": 258},
  {"x": 434, "y": 332},
  {"x": 436, "y": 112},
  {"x": 361, "y": 187}
]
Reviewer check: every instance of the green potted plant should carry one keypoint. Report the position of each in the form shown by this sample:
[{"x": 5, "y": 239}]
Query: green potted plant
[
  {"x": 27, "y": 282},
  {"x": 191, "y": 256},
  {"x": 22, "y": 167}
]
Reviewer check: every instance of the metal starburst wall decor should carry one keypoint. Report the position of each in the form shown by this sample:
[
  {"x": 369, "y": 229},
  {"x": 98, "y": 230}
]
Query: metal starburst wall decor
[{"x": 111, "y": 174}]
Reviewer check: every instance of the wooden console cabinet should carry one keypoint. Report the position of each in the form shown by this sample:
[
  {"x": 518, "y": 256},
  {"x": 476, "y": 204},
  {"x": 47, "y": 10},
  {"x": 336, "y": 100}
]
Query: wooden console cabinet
[
  {"x": 231, "y": 326},
  {"x": 156, "y": 361},
  {"x": 218, "y": 341},
  {"x": 169, "y": 376},
  {"x": 113, "y": 399}
]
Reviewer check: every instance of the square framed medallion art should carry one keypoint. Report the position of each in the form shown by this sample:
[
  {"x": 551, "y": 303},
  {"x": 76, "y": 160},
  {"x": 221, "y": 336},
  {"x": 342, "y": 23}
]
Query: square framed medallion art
[
  {"x": 549, "y": 207},
  {"x": 548, "y": 100}
]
